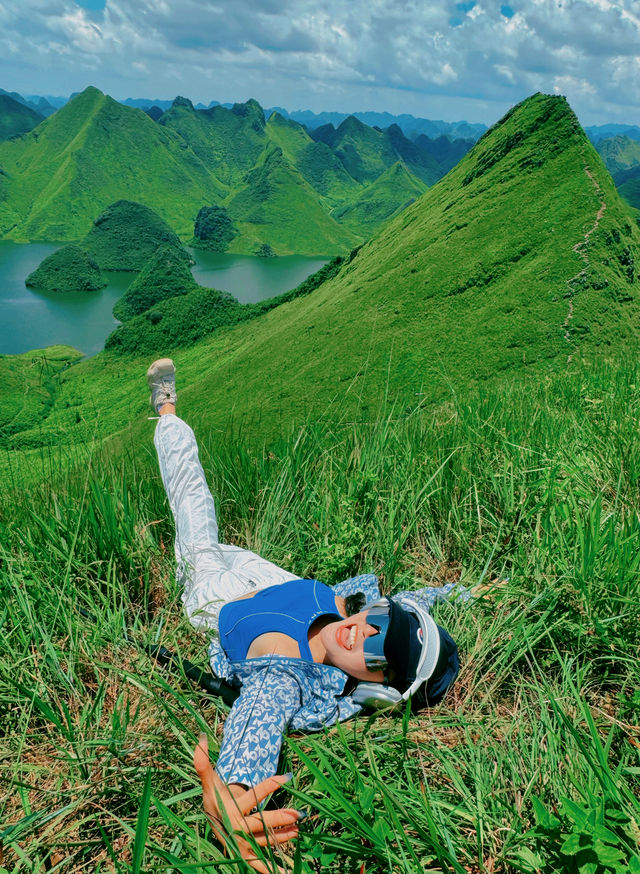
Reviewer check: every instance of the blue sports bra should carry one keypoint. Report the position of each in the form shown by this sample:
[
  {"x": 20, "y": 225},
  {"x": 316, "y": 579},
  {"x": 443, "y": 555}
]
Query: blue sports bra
[{"x": 290, "y": 608}]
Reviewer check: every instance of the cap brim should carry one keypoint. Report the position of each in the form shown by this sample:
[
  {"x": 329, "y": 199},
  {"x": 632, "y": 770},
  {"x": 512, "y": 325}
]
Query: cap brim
[{"x": 431, "y": 649}]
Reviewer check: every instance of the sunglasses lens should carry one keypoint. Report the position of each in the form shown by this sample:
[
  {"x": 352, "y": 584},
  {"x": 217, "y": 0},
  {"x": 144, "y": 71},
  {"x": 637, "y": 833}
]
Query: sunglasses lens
[{"x": 374, "y": 657}]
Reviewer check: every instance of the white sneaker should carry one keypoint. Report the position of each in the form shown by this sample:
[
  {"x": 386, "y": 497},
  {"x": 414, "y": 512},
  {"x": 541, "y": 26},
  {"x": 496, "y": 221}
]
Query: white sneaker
[{"x": 161, "y": 379}]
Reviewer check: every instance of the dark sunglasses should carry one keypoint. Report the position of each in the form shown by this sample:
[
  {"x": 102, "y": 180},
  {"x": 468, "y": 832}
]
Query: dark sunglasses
[{"x": 377, "y": 617}]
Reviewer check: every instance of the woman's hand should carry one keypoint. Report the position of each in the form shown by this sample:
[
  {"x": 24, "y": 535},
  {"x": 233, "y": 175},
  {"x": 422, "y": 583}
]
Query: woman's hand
[{"x": 234, "y": 803}]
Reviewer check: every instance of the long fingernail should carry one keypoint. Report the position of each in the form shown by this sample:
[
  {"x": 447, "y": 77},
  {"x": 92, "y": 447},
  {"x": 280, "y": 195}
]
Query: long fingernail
[
  {"x": 288, "y": 775},
  {"x": 302, "y": 814}
]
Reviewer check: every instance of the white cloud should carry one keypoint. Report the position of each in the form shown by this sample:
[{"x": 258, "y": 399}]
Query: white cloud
[{"x": 400, "y": 55}]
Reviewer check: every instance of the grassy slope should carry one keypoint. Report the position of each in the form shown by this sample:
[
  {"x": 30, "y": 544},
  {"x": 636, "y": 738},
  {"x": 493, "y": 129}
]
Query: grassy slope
[
  {"x": 470, "y": 281},
  {"x": 16, "y": 118},
  {"x": 538, "y": 484},
  {"x": 89, "y": 154},
  {"x": 388, "y": 195},
  {"x": 278, "y": 207},
  {"x": 29, "y": 388}
]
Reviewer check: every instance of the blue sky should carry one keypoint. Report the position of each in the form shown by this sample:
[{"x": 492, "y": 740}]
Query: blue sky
[{"x": 437, "y": 59}]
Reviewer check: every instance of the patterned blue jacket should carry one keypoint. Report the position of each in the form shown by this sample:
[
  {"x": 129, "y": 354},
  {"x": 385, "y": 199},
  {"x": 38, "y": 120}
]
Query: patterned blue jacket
[{"x": 280, "y": 693}]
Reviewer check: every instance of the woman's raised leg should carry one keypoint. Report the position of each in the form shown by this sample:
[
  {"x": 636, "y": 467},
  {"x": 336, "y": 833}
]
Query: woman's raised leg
[{"x": 212, "y": 572}]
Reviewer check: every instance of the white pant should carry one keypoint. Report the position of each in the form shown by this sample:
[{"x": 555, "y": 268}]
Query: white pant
[{"x": 212, "y": 572}]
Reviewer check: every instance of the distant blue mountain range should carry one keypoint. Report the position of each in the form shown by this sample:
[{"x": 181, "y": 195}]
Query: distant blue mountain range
[{"x": 411, "y": 126}]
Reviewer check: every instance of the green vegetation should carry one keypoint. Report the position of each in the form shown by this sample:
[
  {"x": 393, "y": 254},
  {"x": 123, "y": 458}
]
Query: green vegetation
[
  {"x": 531, "y": 762},
  {"x": 391, "y": 192},
  {"x": 229, "y": 141},
  {"x": 366, "y": 152},
  {"x": 127, "y": 234},
  {"x": 90, "y": 153},
  {"x": 277, "y": 207},
  {"x": 67, "y": 269},
  {"x": 16, "y": 118},
  {"x": 175, "y": 321},
  {"x": 213, "y": 229},
  {"x": 631, "y": 192},
  {"x": 175, "y": 312},
  {"x": 522, "y": 260},
  {"x": 93, "y": 152},
  {"x": 458, "y": 400},
  {"x": 166, "y": 274},
  {"x": 29, "y": 388},
  {"x": 317, "y": 163}
]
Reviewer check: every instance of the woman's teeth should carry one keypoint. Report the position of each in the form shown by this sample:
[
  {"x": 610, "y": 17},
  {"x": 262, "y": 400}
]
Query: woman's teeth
[{"x": 352, "y": 637}]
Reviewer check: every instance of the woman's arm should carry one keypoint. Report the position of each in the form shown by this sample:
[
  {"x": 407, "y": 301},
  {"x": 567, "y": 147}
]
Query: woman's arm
[
  {"x": 248, "y": 761},
  {"x": 228, "y": 808}
]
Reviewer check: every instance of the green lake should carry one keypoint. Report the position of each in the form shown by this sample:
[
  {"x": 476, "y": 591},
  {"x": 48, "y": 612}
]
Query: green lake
[{"x": 33, "y": 319}]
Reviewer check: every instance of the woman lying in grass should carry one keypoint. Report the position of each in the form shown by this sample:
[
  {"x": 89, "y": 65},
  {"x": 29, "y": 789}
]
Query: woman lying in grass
[{"x": 304, "y": 655}]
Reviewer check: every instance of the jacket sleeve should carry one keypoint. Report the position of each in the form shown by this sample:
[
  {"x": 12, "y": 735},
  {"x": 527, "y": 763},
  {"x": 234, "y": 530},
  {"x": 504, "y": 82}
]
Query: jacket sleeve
[
  {"x": 428, "y": 596},
  {"x": 253, "y": 730}
]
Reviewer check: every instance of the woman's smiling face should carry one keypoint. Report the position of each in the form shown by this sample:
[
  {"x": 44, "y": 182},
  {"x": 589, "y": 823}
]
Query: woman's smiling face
[{"x": 343, "y": 642}]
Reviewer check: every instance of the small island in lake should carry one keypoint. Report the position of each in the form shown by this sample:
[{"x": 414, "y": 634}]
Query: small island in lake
[{"x": 67, "y": 269}]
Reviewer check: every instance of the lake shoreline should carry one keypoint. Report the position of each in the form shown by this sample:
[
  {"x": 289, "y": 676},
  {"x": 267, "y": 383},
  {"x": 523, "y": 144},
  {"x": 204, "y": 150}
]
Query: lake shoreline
[{"x": 34, "y": 320}]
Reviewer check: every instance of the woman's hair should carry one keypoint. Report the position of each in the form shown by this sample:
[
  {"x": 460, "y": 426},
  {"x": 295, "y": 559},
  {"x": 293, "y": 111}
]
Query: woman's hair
[{"x": 354, "y": 603}]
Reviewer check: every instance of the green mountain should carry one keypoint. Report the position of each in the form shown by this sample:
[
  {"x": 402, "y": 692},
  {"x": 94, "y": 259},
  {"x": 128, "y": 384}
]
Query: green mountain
[
  {"x": 446, "y": 152},
  {"x": 619, "y": 154},
  {"x": 90, "y": 153},
  {"x": 366, "y": 152},
  {"x": 228, "y": 141},
  {"x": 392, "y": 191},
  {"x": 127, "y": 234},
  {"x": 521, "y": 261},
  {"x": 16, "y": 118},
  {"x": 166, "y": 274},
  {"x": 67, "y": 269},
  {"x": 276, "y": 208},
  {"x": 317, "y": 163}
]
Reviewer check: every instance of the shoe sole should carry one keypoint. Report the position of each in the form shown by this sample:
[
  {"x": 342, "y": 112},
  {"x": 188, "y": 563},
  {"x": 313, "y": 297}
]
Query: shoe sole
[{"x": 161, "y": 367}]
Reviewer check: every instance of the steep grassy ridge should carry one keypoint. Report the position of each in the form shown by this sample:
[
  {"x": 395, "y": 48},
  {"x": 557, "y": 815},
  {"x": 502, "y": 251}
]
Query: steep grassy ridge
[
  {"x": 16, "y": 118},
  {"x": 90, "y": 153},
  {"x": 521, "y": 259},
  {"x": 523, "y": 256}
]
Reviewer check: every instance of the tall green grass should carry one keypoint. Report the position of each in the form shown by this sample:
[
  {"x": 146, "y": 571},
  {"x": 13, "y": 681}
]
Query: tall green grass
[{"x": 530, "y": 764}]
